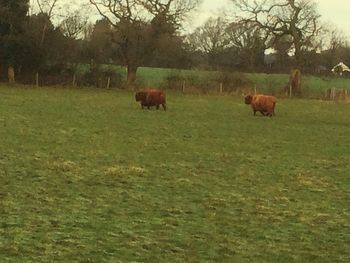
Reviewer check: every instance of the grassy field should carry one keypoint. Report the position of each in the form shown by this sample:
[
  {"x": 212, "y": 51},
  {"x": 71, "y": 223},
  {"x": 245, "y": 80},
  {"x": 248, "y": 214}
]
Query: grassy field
[{"x": 87, "y": 176}]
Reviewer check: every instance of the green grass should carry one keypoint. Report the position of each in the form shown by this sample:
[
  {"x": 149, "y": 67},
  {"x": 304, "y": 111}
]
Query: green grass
[{"x": 87, "y": 176}]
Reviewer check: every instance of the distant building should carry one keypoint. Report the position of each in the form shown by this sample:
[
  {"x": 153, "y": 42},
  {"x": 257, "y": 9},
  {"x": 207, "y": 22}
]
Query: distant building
[{"x": 341, "y": 69}]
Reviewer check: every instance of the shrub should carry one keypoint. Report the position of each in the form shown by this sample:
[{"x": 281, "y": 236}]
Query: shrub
[
  {"x": 207, "y": 82},
  {"x": 233, "y": 82},
  {"x": 98, "y": 77}
]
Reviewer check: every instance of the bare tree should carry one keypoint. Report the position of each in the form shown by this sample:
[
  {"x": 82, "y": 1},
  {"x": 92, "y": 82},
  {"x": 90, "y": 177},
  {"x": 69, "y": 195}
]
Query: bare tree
[
  {"x": 174, "y": 11},
  {"x": 138, "y": 22},
  {"x": 88, "y": 31},
  {"x": 46, "y": 7},
  {"x": 336, "y": 38},
  {"x": 249, "y": 41},
  {"x": 298, "y": 19},
  {"x": 73, "y": 24},
  {"x": 335, "y": 46},
  {"x": 210, "y": 37}
]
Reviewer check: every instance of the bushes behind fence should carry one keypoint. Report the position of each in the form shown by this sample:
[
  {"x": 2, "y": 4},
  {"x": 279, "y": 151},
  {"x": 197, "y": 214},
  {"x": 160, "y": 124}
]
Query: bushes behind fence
[
  {"x": 211, "y": 82},
  {"x": 93, "y": 76},
  {"x": 99, "y": 77}
]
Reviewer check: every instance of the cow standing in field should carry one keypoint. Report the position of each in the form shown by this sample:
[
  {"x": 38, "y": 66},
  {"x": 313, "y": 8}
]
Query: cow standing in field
[
  {"x": 263, "y": 103},
  {"x": 151, "y": 97}
]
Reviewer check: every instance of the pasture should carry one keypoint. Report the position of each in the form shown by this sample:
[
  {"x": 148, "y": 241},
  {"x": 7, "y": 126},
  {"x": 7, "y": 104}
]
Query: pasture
[{"x": 87, "y": 176}]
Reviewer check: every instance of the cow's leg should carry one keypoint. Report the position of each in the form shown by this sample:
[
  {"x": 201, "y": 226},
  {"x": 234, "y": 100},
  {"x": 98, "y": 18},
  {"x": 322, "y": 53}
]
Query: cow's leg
[
  {"x": 157, "y": 106},
  {"x": 164, "y": 106}
]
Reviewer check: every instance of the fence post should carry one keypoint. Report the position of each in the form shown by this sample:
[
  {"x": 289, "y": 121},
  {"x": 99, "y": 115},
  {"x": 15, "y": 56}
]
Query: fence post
[
  {"x": 74, "y": 80},
  {"x": 290, "y": 91},
  {"x": 108, "y": 82},
  {"x": 254, "y": 89},
  {"x": 345, "y": 94},
  {"x": 37, "y": 79},
  {"x": 183, "y": 86},
  {"x": 332, "y": 93},
  {"x": 220, "y": 87}
]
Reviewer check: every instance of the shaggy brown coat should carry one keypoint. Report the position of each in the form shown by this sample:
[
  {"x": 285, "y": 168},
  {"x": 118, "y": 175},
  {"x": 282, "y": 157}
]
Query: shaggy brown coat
[
  {"x": 263, "y": 103},
  {"x": 151, "y": 97}
]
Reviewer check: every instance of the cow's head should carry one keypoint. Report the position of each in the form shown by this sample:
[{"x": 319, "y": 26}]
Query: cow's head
[
  {"x": 248, "y": 99},
  {"x": 138, "y": 96}
]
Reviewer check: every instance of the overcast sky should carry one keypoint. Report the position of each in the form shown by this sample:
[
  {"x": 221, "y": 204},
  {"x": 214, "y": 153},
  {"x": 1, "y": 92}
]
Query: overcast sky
[{"x": 336, "y": 12}]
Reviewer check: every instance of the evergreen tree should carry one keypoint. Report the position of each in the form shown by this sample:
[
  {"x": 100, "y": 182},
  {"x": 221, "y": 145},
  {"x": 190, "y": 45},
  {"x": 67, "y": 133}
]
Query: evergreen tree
[{"x": 13, "y": 16}]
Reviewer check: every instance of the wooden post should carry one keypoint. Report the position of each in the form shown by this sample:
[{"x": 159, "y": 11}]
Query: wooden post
[
  {"x": 37, "y": 79},
  {"x": 333, "y": 95},
  {"x": 254, "y": 89},
  {"x": 290, "y": 91},
  {"x": 108, "y": 82},
  {"x": 74, "y": 80},
  {"x": 11, "y": 75},
  {"x": 220, "y": 87},
  {"x": 183, "y": 86},
  {"x": 345, "y": 94}
]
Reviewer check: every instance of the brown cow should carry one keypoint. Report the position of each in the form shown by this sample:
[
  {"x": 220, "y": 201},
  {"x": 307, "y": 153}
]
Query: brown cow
[
  {"x": 263, "y": 103},
  {"x": 151, "y": 97}
]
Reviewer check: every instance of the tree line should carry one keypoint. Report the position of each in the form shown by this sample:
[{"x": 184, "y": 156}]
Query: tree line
[{"x": 135, "y": 33}]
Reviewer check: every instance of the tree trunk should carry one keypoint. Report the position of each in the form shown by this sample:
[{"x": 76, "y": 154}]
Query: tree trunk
[
  {"x": 298, "y": 57},
  {"x": 43, "y": 33},
  {"x": 294, "y": 84},
  {"x": 297, "y": 52},
  {"x": 131, "y": 75},
  {"x": 299, "y": 65}
]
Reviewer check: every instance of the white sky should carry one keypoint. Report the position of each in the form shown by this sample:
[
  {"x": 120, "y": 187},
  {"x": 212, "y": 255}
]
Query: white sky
[{"x": 336, "y": 12}]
